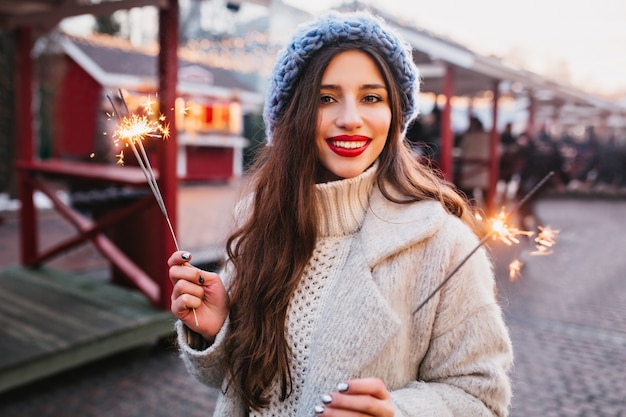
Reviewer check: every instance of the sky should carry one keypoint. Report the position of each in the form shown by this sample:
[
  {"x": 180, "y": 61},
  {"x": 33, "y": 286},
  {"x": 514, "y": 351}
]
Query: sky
[{"x": 582, "y": 43}]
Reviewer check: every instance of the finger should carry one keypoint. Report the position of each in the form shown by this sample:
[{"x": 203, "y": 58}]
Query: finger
[
  {"x": 192, "y": 274},
  {"x": 186, "y": 287},
  {"x": 185, "y": 302},
  {"x": 178, "y": 272},
  {"x": 367, "y": 396},
  {"x": 179, "y": 258},
  {"x": 365, "y": 386},
  {"x": 335, "y": 403}
]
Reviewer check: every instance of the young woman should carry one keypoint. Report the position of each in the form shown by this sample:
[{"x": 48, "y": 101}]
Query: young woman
[{"x": 343, "y": 237}]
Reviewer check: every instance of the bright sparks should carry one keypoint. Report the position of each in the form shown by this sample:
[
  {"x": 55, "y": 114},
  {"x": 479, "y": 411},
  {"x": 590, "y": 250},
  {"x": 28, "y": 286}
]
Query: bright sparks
[
  {"x": 135, "y": 128},
  {"x": 515, "y": 269},
  {"x": 505, "y": 233},
  {"x": 545, "y": 240}
]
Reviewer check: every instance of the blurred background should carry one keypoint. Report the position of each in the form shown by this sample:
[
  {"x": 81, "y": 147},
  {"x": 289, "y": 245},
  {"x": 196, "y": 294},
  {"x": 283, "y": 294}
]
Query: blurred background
[{"x": 512, "y": 92}]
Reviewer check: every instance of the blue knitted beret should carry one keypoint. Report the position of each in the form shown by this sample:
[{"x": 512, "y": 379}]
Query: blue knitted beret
[{"x": 332, "y": 28}]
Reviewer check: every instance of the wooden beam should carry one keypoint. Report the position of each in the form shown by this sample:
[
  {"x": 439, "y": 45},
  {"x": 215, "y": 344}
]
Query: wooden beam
[
  {"x": 447, "y": 140},
  {"x": 107, "y": 248},
  {"x": 25, "y": 142},
  {"x": 494, "y": 152},
  {"x": 55, "y": 13},
  {"x": 168, "y": 80}
]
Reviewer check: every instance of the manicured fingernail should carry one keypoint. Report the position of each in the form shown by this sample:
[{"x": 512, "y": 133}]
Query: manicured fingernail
[
  {"x": 319, "y": 409},
  {"x": 342, "y": 387},
  {"x": 201, "y": 280},
  {"x": 185, "y": 256},
  {"x": 327, "y": 399}
]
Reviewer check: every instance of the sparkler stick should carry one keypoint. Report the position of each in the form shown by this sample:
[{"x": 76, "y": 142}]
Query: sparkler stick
[
  {"x": 134, "y": 140},
  {"x": 484, "y": 239}
]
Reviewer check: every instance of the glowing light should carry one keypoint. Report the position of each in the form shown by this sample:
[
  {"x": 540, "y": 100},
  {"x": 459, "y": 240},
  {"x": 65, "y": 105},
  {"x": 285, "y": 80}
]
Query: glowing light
[
  {"x": 545, "y": 240},
  {"x": 134, "y": 128},
  {"x": 505, "y": 233},
  {"x": 131, "y": 131},
  {"x": 498, "y": 229},
  {"x": 515, "y": 269}
]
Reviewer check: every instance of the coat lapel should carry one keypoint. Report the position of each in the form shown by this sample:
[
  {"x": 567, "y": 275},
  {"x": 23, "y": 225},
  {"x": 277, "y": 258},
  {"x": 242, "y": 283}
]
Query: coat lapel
[
  {"x": 357, "y": 322},
  {"x": 355, "y": 325},
  {"x": 389, "y": 228}
]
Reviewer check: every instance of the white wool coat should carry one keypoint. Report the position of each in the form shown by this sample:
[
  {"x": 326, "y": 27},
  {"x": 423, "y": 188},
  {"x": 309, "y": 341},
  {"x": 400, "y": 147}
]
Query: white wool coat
[{"x": 451, "y": 358}]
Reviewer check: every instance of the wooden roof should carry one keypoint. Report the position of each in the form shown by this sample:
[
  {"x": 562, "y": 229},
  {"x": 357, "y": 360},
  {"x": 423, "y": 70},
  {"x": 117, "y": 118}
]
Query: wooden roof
[
  {"x": 114, "y": 63},
  {"x": 45, "y": 14}
]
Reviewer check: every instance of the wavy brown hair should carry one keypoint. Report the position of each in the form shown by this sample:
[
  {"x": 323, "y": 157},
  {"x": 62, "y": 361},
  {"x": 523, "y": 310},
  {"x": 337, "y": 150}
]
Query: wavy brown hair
[{"x": 271, "y": 249}]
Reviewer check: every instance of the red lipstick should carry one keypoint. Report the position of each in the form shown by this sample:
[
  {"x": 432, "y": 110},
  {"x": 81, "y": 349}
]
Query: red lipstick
[{"x": 348, "y": 146}]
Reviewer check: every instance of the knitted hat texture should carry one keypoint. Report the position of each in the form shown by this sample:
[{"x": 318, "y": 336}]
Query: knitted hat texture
[{"x": 333, "y": 28}]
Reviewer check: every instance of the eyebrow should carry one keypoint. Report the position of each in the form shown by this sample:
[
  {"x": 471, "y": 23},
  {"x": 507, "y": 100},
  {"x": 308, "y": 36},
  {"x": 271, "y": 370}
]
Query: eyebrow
[{"x": 361, "y": 87}]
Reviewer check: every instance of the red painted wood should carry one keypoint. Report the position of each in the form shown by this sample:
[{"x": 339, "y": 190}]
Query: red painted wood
[
  {"x": 209, "y": 163},
  {"x": 25, "y": 142},
  {"x": 447, "y": 140},
  {"x": 108, "y": 249},
  {"x": 168, "y": 75},
  {"x": 494, "y": 152},
  {"x": 77, "y": 107},
  {"x": 104, "y": 173}
]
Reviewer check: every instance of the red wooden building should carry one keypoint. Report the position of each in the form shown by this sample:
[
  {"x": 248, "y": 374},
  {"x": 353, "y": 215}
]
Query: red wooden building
[{"x": 209, "y": 108}]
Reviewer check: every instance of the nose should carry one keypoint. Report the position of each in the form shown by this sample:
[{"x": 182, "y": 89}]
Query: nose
[{"x": 349, "y": 117}]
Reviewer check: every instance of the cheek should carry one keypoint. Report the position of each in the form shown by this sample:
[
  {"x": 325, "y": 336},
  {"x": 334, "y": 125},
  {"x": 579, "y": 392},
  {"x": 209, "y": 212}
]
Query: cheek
[
  {"x": 323, "y": 119},
  {"x": 322, "y": 126}
]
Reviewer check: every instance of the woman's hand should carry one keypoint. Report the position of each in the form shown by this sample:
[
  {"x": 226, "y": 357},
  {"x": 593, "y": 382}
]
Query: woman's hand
[
  {"x": 357, "y": 397},
  {"x": 197, "y": 289}
]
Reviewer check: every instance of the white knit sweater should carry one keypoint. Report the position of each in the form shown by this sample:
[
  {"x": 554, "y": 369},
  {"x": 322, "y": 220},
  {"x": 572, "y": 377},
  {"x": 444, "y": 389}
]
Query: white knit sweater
[
  {"x": 342, "y": 206},
  {"x": 449, "y": 359}
]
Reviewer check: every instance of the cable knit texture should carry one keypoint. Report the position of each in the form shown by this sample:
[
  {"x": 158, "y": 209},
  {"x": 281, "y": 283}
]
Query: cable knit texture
[
  {"x": 334, "y": 28},
  {"x": 342, "y": 206},
  {"x": 355, "y": 305}
]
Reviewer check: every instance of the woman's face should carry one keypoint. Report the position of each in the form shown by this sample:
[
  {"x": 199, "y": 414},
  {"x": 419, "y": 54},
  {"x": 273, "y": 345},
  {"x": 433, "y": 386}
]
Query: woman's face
[{"x": 354, "y": 115}]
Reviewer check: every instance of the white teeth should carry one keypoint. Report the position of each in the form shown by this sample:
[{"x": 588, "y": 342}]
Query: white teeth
[{"x": 349, "y": 144}]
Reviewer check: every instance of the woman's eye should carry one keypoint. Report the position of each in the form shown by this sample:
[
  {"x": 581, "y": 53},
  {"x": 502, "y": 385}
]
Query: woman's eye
[
  {"x": 372, "y": 98},
  {"x": 325, "y": 99}
]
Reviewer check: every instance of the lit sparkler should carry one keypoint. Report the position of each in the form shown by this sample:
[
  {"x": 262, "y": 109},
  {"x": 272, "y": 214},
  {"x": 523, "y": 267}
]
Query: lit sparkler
[
  {"x": 499, "y": 230},
  {"x": 131, "y": 132}
]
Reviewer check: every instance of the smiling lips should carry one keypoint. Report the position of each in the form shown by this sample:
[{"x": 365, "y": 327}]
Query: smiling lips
[{"x": 348, "y": 146}]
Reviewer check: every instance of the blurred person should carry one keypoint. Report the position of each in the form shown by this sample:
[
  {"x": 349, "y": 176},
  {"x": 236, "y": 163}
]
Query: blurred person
[
  {"x": 537, "y": 158},
  {"x": 508, "y": 145},
  {"x": 423, "y": 134},
  {"x": 474, "y": 155},
  {"x": 432, "y": 135},
  {"x": 343, "y": 236},
  {"x": 611, "y": 163},
  {"x": 587, "y": 158}
]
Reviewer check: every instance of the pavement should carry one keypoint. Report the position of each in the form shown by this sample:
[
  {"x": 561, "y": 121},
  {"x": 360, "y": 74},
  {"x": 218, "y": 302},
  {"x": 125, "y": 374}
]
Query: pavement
[{"x": 566, "y": 313}]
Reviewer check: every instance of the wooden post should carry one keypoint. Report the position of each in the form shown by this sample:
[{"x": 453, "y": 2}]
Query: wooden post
[
  {"x": 26, "y": 147},
  {"x": 168, "y": 78},
  {"x": 530, "y": 123},
  {"x": 447, "y": 141},
  {"x": 494, "y": 152}
]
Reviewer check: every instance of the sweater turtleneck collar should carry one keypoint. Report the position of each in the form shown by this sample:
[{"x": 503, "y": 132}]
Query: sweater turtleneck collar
[{"x": 342, "y": 204}]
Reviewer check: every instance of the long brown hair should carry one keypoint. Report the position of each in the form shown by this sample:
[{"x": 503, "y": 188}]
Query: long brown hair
[{"x": 271, "y": 249}]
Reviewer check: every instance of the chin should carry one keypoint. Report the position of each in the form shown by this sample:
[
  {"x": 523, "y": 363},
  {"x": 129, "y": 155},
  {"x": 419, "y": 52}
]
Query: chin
[
  {"x": 347, "y": 173},
  {"x": 340, "y": 170}
]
